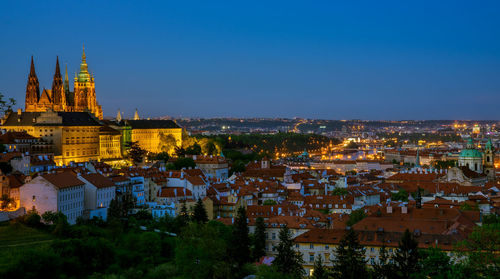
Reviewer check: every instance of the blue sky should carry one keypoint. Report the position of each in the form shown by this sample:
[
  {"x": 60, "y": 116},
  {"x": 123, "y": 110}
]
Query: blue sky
[{"x": 315, "y": 59}]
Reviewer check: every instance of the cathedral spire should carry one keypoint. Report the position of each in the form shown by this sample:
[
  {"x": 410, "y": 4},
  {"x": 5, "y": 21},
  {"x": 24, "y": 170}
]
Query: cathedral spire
[
  {"x": 58, "y": 95},
  {"x": 32, "y": 69},
  {"x": 84, "y": 58},
  {"x": 66, "y": 81},
  {"x": 58, "y": 70},
  {"x": 84, "y": 76},
  {"x": 32, "y": 89},
  {"x": 136, "y": 115},
  {"x": 119, "y": 116}
]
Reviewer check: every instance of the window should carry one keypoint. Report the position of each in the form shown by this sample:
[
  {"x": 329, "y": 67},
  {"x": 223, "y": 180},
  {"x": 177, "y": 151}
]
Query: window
[
  {"x": 274, "y": 236},
  {"x": 311, "y": 258},
  {"x": 327, "y": 247},
  {"x": 34, "y": 198},
  {"x": 297, "y": 246},
  {"x": 311, "y": 246},
  {"x": 372, "y": 261}
]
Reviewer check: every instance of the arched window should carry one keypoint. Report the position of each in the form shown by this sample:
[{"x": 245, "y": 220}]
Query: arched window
[{"x": 488, "y": 159}]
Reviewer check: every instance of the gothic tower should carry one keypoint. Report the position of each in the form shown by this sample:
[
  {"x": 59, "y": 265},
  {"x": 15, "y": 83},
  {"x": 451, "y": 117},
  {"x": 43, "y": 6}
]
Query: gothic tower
[
  {"x": 489, "y": 160},
  {"x": 84, "y": 95},
  {"x": 32, "y": 89},
  {"x": 69, "y": 95},
  {"x": 58, "y": 94}
]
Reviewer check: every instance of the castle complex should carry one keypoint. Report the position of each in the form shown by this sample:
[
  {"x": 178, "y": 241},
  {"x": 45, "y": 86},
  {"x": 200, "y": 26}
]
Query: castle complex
[
  {"x": 60, "y": 98},
  {"x": 71, "y": 124}
]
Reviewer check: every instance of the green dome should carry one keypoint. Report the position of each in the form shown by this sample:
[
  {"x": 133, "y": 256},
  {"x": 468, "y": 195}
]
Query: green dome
[
  {"x": 83, "y": 77},
  {"x": 471, "y": 153}
]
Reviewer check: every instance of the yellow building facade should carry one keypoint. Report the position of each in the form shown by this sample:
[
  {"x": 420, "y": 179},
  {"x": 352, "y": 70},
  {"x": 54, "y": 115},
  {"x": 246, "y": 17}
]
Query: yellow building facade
[
  {"x": 74, "y": 136},
  {"x": 109, "y": 143},
  {"x": 155, "y": 136}
]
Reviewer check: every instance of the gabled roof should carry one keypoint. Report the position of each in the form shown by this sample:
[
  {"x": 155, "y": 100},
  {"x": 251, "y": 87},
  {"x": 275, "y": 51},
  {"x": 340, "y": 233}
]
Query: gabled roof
[
  {"x": 63, "y": 180},
  {"x": 98, "y": 180}
]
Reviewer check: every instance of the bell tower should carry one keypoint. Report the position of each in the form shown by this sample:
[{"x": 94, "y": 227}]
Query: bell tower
[
  {"x": 85, "y": 97},
  {"x": 489, "y": 160}
]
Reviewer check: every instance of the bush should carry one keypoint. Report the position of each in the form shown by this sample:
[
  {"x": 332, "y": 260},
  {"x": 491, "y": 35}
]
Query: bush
[{"x": 32, "y": 219}]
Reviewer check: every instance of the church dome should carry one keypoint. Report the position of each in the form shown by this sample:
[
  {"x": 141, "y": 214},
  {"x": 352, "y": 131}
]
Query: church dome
[{"x": 471, "y": 153}]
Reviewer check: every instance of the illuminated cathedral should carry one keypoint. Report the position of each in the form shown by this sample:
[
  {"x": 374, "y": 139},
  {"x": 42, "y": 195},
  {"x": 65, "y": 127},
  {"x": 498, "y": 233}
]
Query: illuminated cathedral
[{"x": 60, "y": 98}]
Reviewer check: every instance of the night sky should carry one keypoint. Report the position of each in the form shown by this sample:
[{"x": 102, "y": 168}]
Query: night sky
[{"x": 314, "y": 59}]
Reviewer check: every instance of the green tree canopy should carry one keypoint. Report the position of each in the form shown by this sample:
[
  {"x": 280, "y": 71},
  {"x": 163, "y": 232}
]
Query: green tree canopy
[
  {"x": 356, "y": 216},
  {"x": 200, "y": 213},
  {"x": 288, "y": 261},
  {"x": 259, "y": 239},
  {"x": 240, "y": 240},
  {"x": 350, "y": 258},
  {"x": 407, "y": 256}
]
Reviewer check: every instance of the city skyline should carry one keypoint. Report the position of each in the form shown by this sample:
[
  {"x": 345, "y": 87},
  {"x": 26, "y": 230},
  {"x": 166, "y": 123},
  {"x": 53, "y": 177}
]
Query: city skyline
[{"x": 230, "y": 60}]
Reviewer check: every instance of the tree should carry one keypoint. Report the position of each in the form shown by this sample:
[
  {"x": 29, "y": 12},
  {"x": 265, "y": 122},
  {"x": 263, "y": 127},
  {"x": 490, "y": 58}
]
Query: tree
[
  {"x": 338, "y": 191},
  {"x": 162, "y": 156},
  {"x": 270, "y": 202},
  {"x": 259, "y": 239},
  {"x": 407, "y": 255},
  {"x": 319, "y": 269},
  {"x": 383, "y": 269},
  {"x": 168, "y": 143},
  {"x": 356, "y": 216},
  {"x": 182, "y": 162},
  {"x": 350, "y": 258},
  {"x": 32, "y": 218},
  {"x": 482, "y": 248},
  {"x": 288, "y": 261},
  {"x": 194, "y": 149},
  {"x": 6, "y": 106},
  {"x": 201, "y": 252},
  {"x": 135, "y": 152},
  {"x": 200, "y": 213},
  {"x": 238, "y": 166},
  {"x": 434, "y": 263},
  {"x": 149, "y": 245},
  {"x": 179, "y": 151},
  {"x": 443, "y": 164},
  {"x": 120, "y": 206},
  {"x": 240, "y": 241},
  {"x": 401, "y": 195},
  {"x": 183, "y": 217}
]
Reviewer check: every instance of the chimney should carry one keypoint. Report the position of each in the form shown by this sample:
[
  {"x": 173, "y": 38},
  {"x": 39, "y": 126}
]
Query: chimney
[
  {"x": 404, "y": 209},
  {"x": 389, "y": 209}
]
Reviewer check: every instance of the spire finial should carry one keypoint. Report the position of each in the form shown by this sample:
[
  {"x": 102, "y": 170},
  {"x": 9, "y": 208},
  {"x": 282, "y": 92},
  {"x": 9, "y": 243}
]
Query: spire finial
[
  {"x": 136, "y": 115},
  {"x": 118, "y": 116},
  {"x": 32, "y": 68},
  {"x": 58, "y": 71},
  {"x": 66, "y": 73}
]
